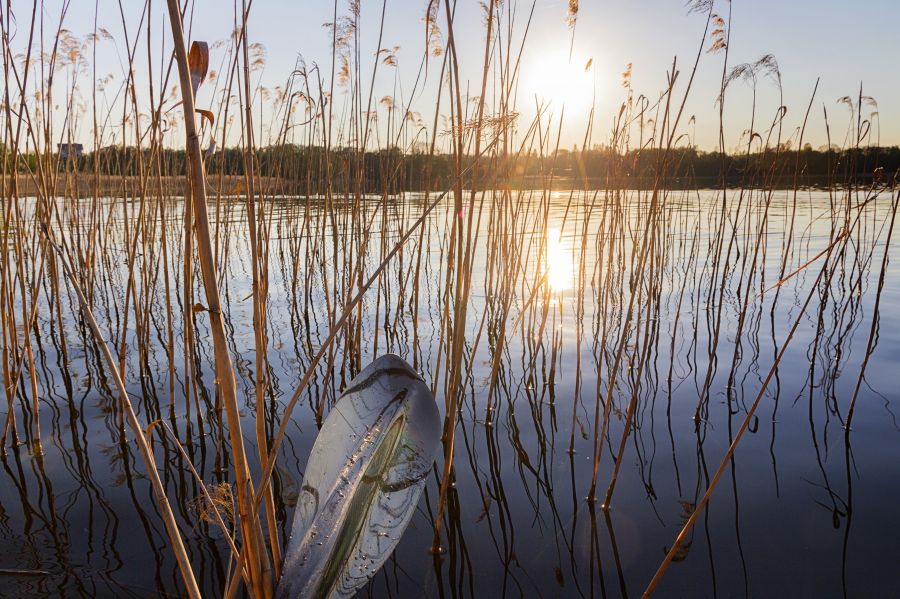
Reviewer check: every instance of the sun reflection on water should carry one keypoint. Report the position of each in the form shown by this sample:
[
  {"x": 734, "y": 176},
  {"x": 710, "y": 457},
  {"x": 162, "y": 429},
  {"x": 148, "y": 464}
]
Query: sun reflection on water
[{"x": 558, "y": 262}]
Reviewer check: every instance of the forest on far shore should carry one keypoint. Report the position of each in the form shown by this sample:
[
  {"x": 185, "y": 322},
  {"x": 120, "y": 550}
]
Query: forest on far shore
[{"x": 307, "y": 167}]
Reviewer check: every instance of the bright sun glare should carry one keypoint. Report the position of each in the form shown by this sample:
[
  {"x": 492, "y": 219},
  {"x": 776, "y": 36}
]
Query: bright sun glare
[
  {"x": 558, "y": 263},
  {"x": 555, "y": 78}
]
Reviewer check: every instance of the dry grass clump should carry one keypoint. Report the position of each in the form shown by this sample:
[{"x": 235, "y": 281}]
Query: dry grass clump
[{"x": 220, "y": 500}]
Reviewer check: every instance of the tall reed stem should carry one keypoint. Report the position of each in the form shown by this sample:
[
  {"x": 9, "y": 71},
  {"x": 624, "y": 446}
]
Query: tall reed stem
[{"x": 251, "y": 528}]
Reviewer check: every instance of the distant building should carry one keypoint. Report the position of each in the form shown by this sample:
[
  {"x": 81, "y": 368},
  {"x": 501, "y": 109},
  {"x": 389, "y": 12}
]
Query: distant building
[{"x": 67, "y": 151}]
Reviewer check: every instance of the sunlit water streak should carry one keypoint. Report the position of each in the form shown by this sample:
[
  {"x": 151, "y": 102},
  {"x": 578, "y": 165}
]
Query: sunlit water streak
[
  {"x": 517, "y": 520},
  {"x": 558, "y": 262}
]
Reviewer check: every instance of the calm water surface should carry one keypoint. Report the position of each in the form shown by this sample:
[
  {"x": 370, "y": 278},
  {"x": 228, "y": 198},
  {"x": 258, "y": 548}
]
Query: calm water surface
[{"x": 800, "y": 512}]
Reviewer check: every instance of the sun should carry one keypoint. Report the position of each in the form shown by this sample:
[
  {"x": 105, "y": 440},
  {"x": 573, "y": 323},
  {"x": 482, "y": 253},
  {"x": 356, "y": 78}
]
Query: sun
[{"x": 559, "y": 79}]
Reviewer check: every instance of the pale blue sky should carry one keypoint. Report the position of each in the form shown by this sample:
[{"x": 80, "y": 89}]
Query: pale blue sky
[{"x": 844, "y": 43}]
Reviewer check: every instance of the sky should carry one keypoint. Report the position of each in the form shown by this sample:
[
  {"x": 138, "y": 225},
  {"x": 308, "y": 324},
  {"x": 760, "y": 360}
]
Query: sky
[{"x": 843, "y": 44}]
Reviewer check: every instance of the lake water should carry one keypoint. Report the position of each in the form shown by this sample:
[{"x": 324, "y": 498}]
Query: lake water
[{"x": 802, "y": 511}]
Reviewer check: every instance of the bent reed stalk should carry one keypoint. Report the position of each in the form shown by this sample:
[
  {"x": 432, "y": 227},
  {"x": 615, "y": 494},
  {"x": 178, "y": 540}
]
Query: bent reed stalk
[{"x": 159, "y": 492}]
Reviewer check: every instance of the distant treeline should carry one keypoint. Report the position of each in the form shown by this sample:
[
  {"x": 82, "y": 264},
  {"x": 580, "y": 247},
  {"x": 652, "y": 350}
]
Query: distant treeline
[{"x": 310, "y": 168}]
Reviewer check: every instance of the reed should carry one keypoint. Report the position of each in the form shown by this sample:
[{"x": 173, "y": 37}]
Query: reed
[{"x": 225, "y": 257}]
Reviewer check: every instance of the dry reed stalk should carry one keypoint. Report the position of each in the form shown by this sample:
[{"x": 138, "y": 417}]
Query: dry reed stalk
[
  {"x": 463, "y": 254},
  {"x": 259, "y": 286},
  {"x": 259, "y": 564}
]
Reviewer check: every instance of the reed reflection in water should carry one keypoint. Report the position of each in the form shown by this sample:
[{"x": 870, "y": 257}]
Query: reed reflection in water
[{"x": 555, "y": 313}]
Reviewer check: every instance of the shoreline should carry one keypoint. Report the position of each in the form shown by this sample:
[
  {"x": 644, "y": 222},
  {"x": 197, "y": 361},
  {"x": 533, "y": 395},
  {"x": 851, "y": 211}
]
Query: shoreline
[{"x": 83, "y": 185}]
